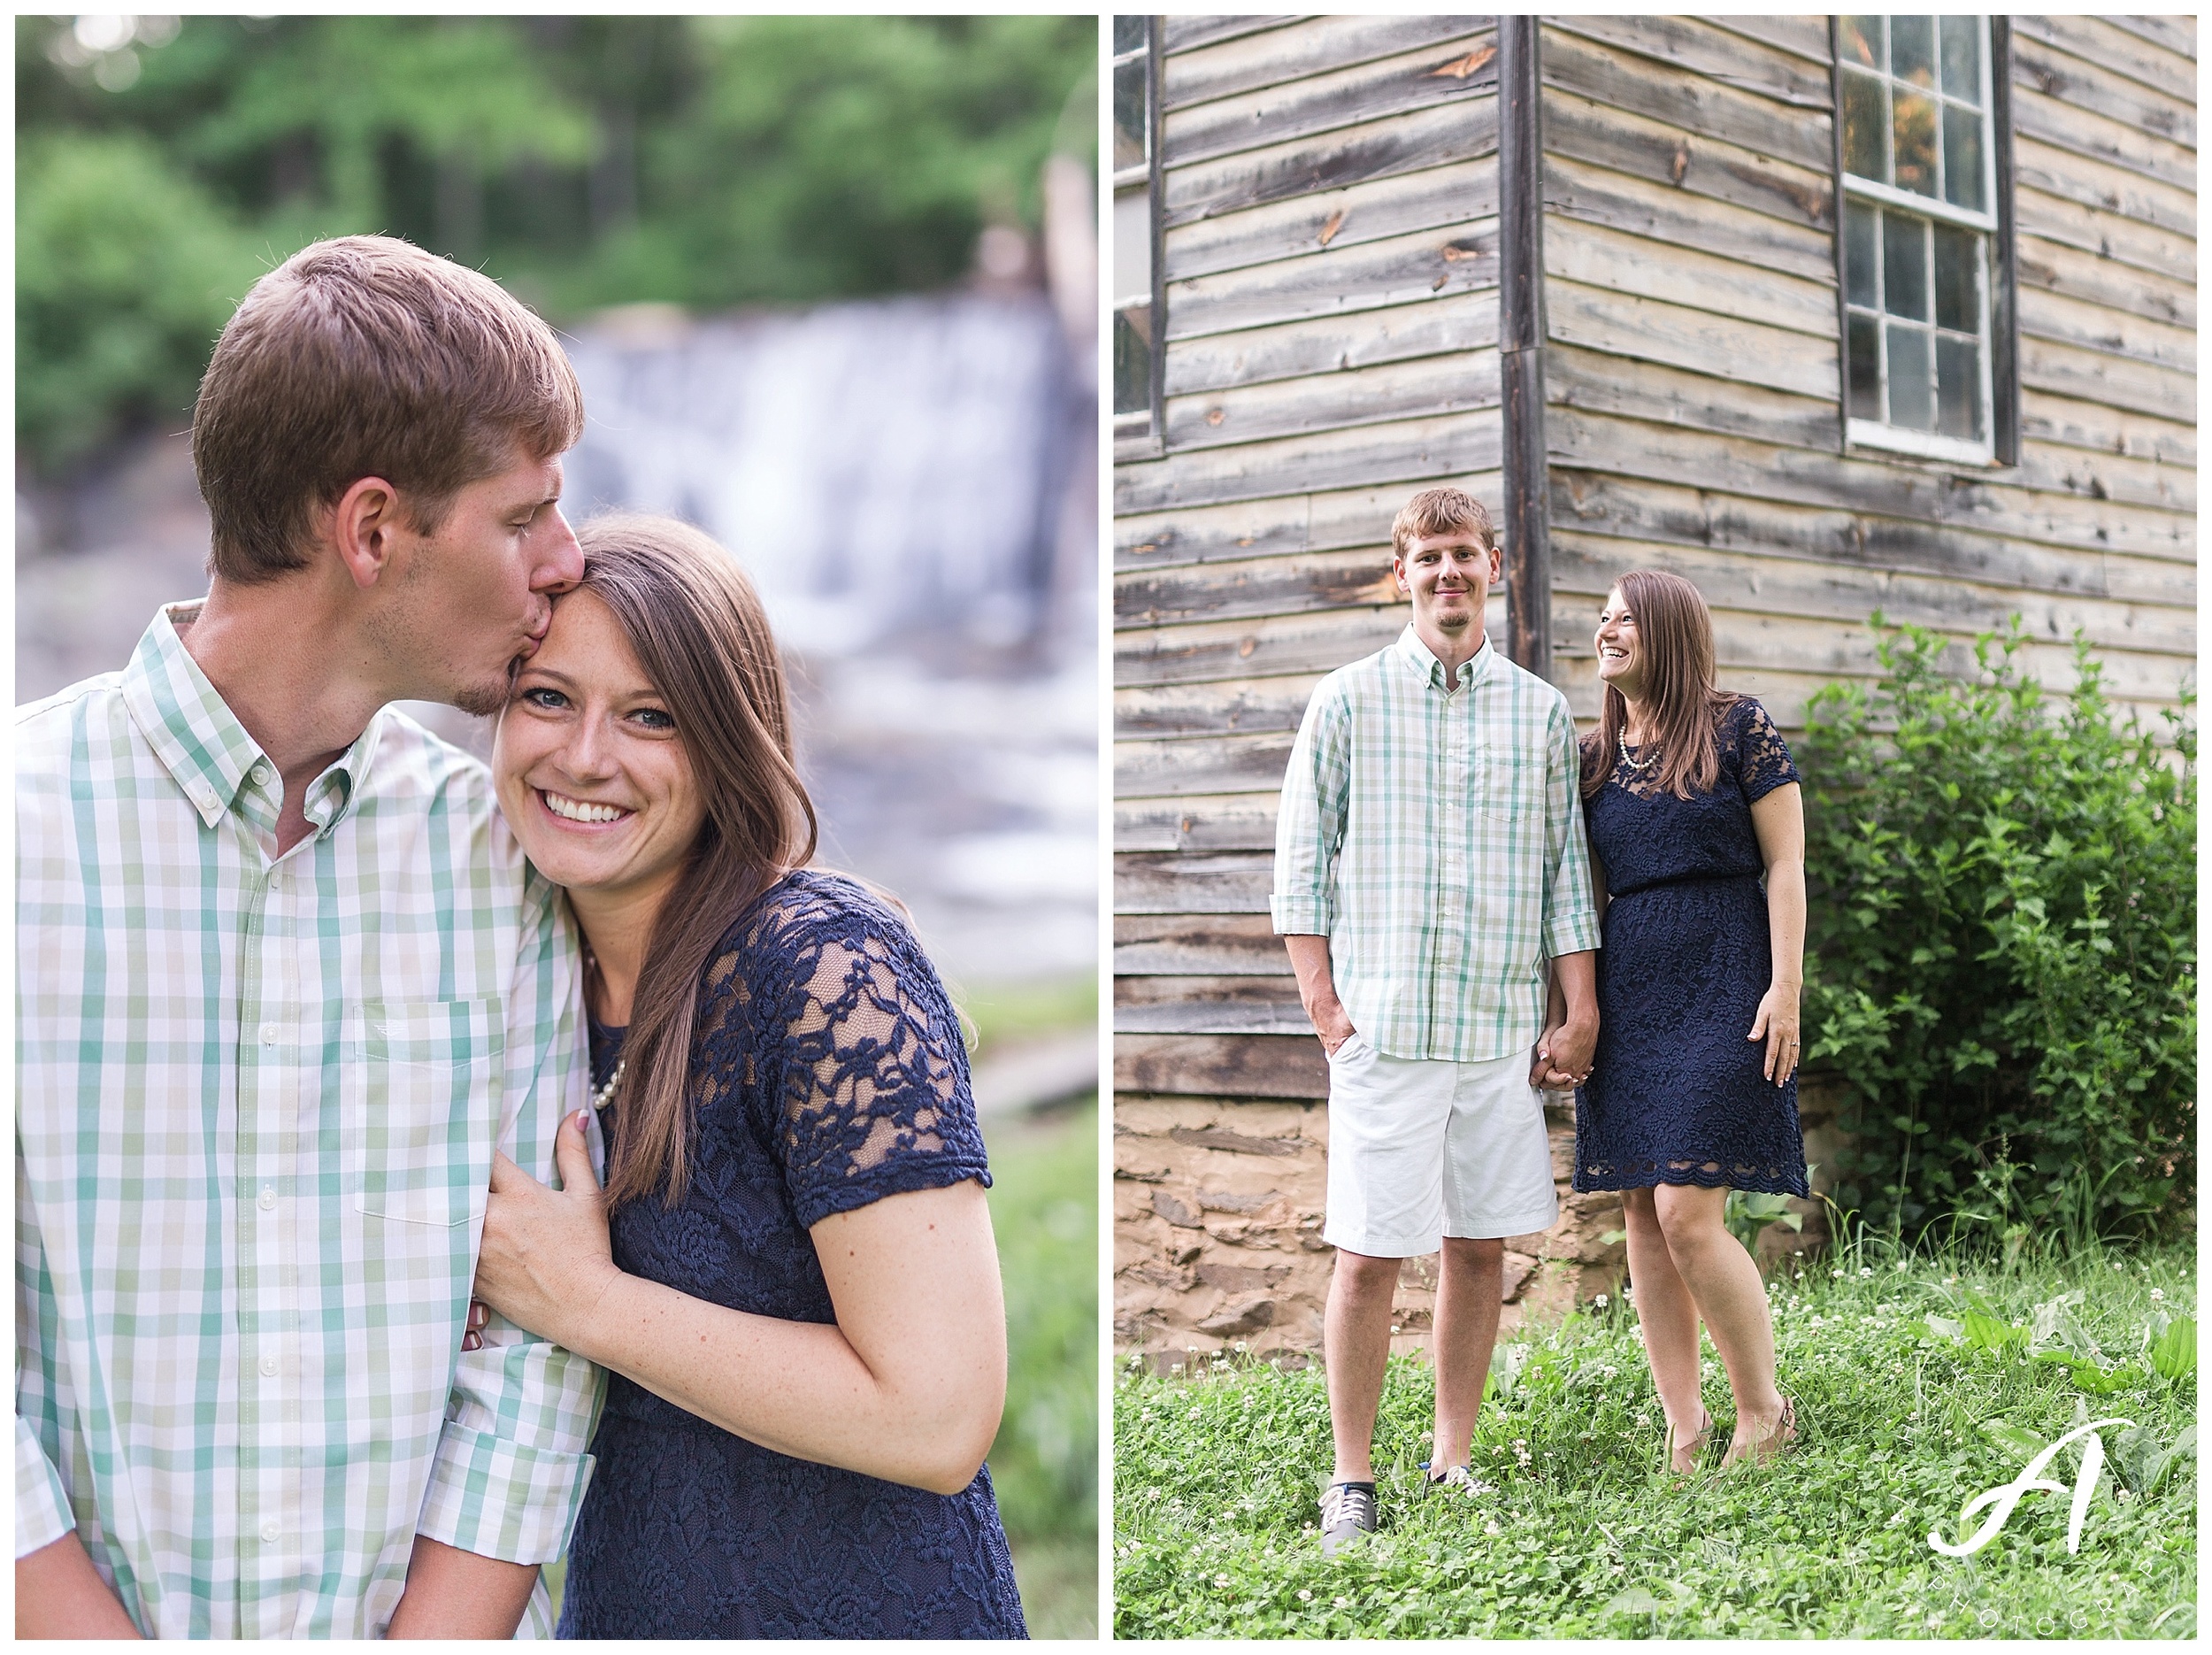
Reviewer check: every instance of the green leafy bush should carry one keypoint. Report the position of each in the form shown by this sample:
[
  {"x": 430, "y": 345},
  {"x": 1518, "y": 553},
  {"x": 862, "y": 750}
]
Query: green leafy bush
[
  {"x": 126, "y": 270},
  {"x": 2002, "y": 962}
]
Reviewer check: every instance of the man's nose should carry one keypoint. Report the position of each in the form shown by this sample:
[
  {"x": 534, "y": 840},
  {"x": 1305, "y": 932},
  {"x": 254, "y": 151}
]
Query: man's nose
[{"x": 561, "y": 563}]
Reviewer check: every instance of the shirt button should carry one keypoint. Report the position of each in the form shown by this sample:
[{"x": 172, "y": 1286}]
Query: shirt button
[
  {"x": 268, "y": 1531},
  {"x": 261, "y": 773},
  {"x": 268, "y": 1033},
  {"x": 268, "y": 1366},
  {"x": 268, "y": 1199}
]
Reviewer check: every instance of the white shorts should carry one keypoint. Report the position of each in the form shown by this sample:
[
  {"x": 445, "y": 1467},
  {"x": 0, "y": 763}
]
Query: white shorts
[{"x": 1423, "y": 1148}]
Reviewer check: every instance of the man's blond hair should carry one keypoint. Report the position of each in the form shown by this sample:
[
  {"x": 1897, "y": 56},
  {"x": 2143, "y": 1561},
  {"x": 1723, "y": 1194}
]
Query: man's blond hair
[
  {"x": 1441, "y": 512},
  {"x": 367, "y": 356}
]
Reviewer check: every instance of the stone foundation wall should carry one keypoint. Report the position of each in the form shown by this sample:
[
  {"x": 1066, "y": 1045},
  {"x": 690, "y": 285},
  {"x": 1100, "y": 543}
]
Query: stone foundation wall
[{"x": 1217, "y": 1212}]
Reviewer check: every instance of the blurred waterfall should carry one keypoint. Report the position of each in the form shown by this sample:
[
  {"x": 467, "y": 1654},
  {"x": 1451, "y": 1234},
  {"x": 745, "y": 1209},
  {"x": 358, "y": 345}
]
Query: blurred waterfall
[{"x": 889, "y": 472}]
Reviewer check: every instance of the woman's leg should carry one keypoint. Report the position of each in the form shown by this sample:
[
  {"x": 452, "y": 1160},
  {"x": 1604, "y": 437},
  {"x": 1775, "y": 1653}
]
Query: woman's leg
[
  {"x": 1668, "y": 1316},
  {"x": 1726, "y": 1285}
]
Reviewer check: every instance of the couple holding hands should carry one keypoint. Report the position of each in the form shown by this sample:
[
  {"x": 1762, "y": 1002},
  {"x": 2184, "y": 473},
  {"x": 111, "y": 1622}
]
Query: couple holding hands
[
  {"x": 1442, "y": 904},
  {"x": 311, "y": 1003}
]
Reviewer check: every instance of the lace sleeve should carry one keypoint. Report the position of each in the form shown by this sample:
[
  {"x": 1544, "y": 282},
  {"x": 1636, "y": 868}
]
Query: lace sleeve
[
  {"x": 874, "y": 1096},
  {"x": 1763, "y": 756}
]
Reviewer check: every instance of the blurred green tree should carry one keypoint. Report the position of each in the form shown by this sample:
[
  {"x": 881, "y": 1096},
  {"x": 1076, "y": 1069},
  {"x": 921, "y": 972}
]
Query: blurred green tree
[{"x": 586, "y": 161}]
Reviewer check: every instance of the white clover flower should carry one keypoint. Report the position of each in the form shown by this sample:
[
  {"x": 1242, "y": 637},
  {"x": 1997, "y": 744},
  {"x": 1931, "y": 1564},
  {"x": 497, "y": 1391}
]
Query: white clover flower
[
  {"x": 1837, "y": 1274},
  {"x": 1305, "y": 1595},
  {"x": 1864, "y": 1271},
  {"x": 1343, "y": 1602},
  {"x": 1899, "y": 1266},
  {"x": 1600, "y": 1301},
  {"x": 2158, "y": 1294}
]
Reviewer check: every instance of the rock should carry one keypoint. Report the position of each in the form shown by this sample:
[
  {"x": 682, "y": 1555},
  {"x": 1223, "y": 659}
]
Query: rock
[
  {"x": 1239, "y": 1315},
  {"x": 1174, "y": 1212},
  {"x": 1233, "y": 1278}
]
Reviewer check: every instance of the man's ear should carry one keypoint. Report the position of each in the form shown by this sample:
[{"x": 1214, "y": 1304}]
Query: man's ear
[
  {"x": 1398, "y": 574},
  {"x": 362, "y": 527}
]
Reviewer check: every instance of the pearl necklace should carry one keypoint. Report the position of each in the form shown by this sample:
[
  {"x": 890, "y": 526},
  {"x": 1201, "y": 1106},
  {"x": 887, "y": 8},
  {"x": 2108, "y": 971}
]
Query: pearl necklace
[
  {"x": 1634, "y": 765},
  {"x": 599, "y": 1099}
]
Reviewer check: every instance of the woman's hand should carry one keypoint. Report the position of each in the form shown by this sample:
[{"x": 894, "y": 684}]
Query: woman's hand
[
  {"x": 547, "y": 1260},
  {"x": 1777, "y": 1021}
]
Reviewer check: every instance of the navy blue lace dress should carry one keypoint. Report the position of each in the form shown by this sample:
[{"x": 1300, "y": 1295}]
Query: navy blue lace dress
[
  {"x": 1677, "y": 1093},
  {"x": 829, "y": 1073}
]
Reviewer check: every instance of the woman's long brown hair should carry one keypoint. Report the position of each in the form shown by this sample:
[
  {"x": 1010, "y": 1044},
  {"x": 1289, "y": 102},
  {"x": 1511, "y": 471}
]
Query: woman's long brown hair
[
  {"x": 1675, "y": 632},
  {"x": 703, "y": 638}
]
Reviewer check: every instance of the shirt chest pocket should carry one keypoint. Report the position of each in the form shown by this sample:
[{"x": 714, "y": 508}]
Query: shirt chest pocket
[
  {"x": 1510, "y": 788},
  {"x": 423, "y": 1109}
]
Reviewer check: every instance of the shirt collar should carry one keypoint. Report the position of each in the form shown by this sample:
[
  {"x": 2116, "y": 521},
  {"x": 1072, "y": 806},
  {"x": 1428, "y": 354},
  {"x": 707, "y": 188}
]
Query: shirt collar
[
  {"x": 1420, "y": 661},
  {"x": 202, "y": 745}
]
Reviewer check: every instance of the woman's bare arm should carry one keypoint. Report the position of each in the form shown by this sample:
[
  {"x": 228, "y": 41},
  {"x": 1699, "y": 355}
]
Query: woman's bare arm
[
  {"x": 907, "y": 1385},
  {"x": 1778, "y": 820}
]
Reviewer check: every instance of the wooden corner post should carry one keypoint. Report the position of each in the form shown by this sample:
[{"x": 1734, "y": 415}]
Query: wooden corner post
[{"x": 1521, "y": 345}]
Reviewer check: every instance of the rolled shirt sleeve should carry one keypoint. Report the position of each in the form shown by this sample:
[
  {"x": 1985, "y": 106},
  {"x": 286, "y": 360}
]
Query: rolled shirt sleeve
[
  {"x": 41, "y": 1504},
  {"x": 1571, "y": 915},
  {"x": 1310, "y": 823},
  {"x": 511, "y": 1463}
]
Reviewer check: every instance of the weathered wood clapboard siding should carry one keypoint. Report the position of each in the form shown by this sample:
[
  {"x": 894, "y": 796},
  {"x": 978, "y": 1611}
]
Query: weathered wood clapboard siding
[
  {"x": 1692, "y": 377},
  {"x": 1330, "y": 191}
]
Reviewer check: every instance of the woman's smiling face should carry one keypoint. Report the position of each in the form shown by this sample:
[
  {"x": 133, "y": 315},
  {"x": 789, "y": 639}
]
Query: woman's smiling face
[
  {"x": 591, "y": 772},
  {"x": 1620, "y": 651}
]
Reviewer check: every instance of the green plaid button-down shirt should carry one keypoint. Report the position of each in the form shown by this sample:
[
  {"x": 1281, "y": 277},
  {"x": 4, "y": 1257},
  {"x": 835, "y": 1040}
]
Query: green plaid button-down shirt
[
  {"x": 256, "y": 1108},
  {"x": 1436, "y": 840}
]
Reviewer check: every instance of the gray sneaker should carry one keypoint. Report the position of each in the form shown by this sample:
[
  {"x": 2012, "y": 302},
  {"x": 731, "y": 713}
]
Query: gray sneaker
[{"x": 1347, "y": 1509}]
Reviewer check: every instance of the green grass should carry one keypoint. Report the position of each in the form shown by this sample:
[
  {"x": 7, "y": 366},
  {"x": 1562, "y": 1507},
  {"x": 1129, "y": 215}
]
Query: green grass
[
  {"x": 1001, "y": 1013},
  {"x": 1044, "y": 1208},
  {"x": 1903, "y": 1421}
]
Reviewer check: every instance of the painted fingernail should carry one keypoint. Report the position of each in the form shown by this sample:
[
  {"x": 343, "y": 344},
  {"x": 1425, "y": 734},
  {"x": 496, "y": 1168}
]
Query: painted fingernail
[{"x": 473, "y": 1342}]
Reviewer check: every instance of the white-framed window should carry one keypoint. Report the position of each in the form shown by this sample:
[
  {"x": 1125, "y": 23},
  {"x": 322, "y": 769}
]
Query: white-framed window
[
  {"x": 1137, "y": 320},
  {"x": 1918, "y": 146}
]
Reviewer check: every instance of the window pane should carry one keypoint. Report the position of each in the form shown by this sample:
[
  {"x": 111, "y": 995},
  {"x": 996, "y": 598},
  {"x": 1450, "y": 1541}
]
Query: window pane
[
  {"x": 1132, "y": 245},
  {"x": 1962, "y": 58},
  {"x": 1859, "y": 40},
  {"x": 1905, "y": 266},
  {"x": 1133, "y": 359},
  {"x": 1958, "y": 388},
  {"x": 1862, "y": 349},
  {"x": 1863, "y": 119},
  {"x": 1957, "y": 292},
  {"x": 1962, "y": 157},
  {"x": 1915, "y": 143},
  {"x": 1861, "y": 232},
  {"x": 1912, "y": 50},
  {"x": 1129, "y": 35},
  {"x": 1911, "y": 399},
  {"x": 1130, "y": 128}
]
